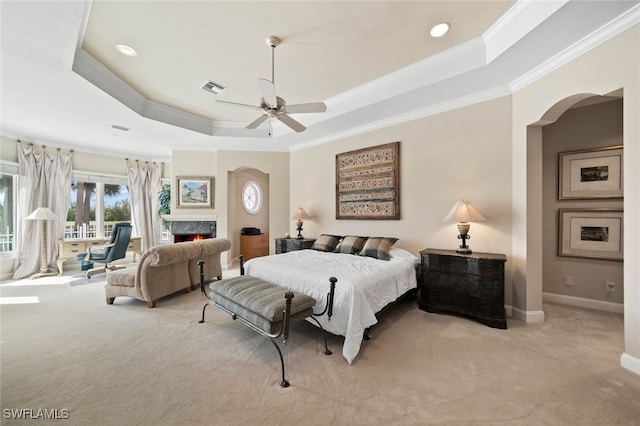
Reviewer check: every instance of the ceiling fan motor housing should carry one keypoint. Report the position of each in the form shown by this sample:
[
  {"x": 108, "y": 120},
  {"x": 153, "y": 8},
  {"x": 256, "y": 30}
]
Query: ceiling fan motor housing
[{"x": 273, "y": 41}]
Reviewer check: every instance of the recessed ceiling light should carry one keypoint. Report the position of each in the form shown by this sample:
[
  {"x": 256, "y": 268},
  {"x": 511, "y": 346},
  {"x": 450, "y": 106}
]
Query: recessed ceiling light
[
  {"x": 126, "y": 50},
  {"x": 440, "y": 29}
]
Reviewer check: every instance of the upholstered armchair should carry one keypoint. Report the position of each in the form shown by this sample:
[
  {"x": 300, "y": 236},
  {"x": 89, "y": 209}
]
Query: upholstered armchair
[{"x": 114, "y": 250}]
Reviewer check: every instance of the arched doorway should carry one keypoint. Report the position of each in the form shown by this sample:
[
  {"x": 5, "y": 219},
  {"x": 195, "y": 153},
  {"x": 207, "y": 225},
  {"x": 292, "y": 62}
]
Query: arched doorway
[
  {"x": 248, "y": 204},
  {"x": 543, "y": 207}
]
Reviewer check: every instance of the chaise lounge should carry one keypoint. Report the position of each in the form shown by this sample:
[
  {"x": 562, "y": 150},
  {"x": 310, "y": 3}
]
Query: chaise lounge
[{"x": 167, "y": 269}]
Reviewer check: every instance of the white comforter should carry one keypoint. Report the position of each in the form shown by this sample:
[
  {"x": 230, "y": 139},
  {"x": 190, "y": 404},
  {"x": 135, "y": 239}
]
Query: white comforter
[{"x": 365, "y": 285}]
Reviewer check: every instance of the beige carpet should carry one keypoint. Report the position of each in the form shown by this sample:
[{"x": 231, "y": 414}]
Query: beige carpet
[{"x": 126, "y": 364}]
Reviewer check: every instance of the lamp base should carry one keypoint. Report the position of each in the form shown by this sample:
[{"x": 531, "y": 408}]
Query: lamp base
[{"x": 463, "y": 228}]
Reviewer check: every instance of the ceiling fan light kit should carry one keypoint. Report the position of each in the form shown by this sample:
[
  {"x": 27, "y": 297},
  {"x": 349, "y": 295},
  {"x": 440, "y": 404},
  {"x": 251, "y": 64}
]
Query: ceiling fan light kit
[{"x": 274, "y": 106}]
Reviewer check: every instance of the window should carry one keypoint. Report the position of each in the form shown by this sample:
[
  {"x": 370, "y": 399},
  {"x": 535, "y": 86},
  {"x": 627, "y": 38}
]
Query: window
[
  {"x": 7, "y": 212},
  {"x": 95, "y": 206},
  {"x": 252, "y": 197}
]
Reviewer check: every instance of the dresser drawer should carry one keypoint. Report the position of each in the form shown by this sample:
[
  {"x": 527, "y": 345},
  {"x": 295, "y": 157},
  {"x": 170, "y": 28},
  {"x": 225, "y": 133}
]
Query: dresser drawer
[{"x": 71, "y": 249}]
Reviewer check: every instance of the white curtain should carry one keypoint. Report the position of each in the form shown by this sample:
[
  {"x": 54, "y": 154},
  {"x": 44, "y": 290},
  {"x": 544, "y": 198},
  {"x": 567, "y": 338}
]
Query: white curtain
[
  {"x": 145, "y": 183},
  {"x": 44, "y": 180}
]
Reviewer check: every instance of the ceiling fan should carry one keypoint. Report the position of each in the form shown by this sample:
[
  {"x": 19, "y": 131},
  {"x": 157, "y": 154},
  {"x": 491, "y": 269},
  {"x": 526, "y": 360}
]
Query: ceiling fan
[{"x": 274, "y": 106}]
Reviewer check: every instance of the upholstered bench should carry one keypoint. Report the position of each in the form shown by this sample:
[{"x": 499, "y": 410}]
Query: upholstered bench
[
  {"x": 260, "y": 302},
  {"x": 264, "y": 307}
]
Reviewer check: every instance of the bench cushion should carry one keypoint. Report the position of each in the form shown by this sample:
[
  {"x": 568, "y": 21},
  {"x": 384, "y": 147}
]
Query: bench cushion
[{"x": 259, "y": 301}]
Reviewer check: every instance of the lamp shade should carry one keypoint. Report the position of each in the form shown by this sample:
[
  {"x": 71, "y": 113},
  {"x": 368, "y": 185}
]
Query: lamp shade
[
  {"x": 42, "y": 213},
  {"x": 300, "y": 214},
  {"x": 463, "y": 211}
]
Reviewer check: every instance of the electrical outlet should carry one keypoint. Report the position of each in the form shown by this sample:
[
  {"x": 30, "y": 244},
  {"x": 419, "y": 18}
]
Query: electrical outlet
[
  {"x": 568, "y": 281},
  {"x": 611, "y": 286}
]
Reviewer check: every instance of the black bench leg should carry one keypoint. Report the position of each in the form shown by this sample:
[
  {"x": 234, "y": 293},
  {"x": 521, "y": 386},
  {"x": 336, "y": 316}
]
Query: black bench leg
[
  {"x": 284, "y": 383},
  {"x": 203, "y": 309}
]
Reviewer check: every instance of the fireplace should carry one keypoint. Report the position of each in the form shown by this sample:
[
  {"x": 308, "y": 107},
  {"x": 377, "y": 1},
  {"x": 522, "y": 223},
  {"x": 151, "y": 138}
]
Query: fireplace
[
  {"x": 192, "y": 230},
  {"x": 190, "y": 237}
]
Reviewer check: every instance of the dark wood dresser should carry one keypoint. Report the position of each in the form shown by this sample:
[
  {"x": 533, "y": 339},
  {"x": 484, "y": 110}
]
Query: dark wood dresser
[
  {"x": 471, "y": 285},
  {"x": 284, "y": 245}
]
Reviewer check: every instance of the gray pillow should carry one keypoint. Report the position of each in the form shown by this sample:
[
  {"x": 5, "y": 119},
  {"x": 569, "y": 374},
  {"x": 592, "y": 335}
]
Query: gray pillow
[
  {"x": 378, "y": 247},
  {"x": 326, "y": 242},
  {"x": 350, "y": 244}
]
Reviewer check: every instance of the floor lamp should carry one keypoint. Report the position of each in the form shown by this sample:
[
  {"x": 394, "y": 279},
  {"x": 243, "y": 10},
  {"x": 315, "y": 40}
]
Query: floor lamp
[{"x": 43, "y": 214}]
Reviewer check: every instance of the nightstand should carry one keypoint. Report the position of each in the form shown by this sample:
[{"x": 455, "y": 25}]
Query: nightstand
[
  {"x": 471, "y": 285},
  {"x": 284, "y": 245}
]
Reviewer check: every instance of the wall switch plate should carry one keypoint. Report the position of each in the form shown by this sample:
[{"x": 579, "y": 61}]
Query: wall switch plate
[
  {"x": 611, "y": 286},
  {"x": 568, "y": 280}
]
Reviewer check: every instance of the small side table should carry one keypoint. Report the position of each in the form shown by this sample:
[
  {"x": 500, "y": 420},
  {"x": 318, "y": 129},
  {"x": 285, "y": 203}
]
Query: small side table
[
  {"x": 285, "y": 245},
  {"x": 471, "y": 285}
]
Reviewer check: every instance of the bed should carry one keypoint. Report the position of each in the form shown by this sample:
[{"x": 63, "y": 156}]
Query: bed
[{"x": 365, "y": 285}]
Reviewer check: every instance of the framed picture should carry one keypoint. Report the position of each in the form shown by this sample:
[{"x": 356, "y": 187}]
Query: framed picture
[
  {"x": 195, "y": 192},
  {"x": 591, "y": 233},
  {"x": 367, "y": 183},
  {"x": 592, "y": 173}
]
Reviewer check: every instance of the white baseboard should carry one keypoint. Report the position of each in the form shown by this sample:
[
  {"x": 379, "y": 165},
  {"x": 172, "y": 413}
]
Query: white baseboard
[
  {"x": 599, "y": 305},
  {"x": 631, "y": 363},
  {"x": 526, "y": 316}
]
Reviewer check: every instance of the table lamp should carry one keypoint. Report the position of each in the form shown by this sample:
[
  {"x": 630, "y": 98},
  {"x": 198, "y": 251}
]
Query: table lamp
[
  {"x": 43, "y": 214},
  {"x": 463, "y": 213},
  {"x": 299, "y": 215}
]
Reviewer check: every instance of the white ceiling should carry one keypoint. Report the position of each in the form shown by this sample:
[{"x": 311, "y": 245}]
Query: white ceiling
[{"x": 372, "y": 63}]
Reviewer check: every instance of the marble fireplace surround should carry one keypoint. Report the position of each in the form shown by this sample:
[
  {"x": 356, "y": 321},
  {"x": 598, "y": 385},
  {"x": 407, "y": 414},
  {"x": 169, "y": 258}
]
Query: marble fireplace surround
[{"x": 192, "y": 225}]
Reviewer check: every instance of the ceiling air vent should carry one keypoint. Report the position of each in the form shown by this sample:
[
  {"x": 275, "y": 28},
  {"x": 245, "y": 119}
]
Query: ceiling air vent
[{"x": 212, "y": 87}]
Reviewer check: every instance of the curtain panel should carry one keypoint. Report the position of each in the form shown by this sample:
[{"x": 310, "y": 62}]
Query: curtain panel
[
  {"x": 145, "y": 183},
  {"x": 44, "y": 180}
]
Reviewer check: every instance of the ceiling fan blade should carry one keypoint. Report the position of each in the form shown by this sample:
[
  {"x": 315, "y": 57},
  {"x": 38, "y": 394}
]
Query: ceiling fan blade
[
  {"x": 291, "y": 122},
  {"x": 258, "y": 121},
  {"x": 240, "y": 105},
  {"x": 300, "y": 108},
  {"x": 268, "y": 92}
]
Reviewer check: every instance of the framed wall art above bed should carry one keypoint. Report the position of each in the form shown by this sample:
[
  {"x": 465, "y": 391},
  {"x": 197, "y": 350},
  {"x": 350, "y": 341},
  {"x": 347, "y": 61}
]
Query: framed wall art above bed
[{"x": 368, "y": 183}]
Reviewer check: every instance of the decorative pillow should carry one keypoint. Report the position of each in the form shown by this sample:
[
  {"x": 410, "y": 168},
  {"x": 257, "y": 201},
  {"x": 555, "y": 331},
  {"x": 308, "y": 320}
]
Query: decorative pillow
[
  {"x": 326, "y": 242},
  {"x": 350, "y": 244},
  {"x": 378, "y": 247}
]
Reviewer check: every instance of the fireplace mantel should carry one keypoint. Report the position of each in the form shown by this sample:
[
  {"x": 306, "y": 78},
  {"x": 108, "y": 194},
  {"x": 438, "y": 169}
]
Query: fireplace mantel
[
  {"x": 186, "y": 217},
  {"x": 182, "y": 225}
]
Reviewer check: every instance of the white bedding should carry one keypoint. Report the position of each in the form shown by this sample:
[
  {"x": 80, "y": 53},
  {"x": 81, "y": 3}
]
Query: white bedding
[{"x": 365, "y": 285}]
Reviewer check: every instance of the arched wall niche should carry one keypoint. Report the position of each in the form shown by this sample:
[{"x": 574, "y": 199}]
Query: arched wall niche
[
  {"x": 528, "y": 298},
  {"x": 238, "y": 218}
]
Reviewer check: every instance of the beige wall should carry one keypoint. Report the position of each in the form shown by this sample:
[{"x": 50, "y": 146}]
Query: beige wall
[
  {"x": 461, "y": 154},
  {"x": 587, "y": 127},
  {"x": 605, "y": 69}
]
